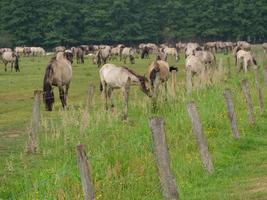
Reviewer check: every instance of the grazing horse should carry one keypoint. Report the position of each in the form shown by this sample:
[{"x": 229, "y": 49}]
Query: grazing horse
[
  {"x": 58, "y": 73},
  {"x": 145, "y": 52},
  {"x": 102, "y": 56},
  {"x": 128, "y": 53},
  {"x": 171, "y": 52},
  {"x": 13, "y": 58},
  {"x": 207, "y": 57},
  {"x": 158, "y": 67},
  {"x": 194, "y": 66},
  {"x": 113, "y": 77},
  {"x": 79, "y": 53},
  {"x": 244, "y": 60}
]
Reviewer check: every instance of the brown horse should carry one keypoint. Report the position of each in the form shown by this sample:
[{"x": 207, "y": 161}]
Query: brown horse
[
  {"x": 160, "y": 68},
  {"x": 58, "y": 73}
]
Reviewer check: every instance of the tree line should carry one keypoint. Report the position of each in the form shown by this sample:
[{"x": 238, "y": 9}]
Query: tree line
[{"x": 72, "y": 22}]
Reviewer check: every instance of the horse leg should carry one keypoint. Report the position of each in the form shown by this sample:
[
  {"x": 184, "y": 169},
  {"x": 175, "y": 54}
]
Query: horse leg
[
  {"x": 245, "y": 65},
  {"x": 125, "y": 92},
  {"x": 82, "y": 60},
  {"x": 105, "y": 90},
  {"x": 11, "y": 66},
  {"x": 5, "y": 66},
  {"x": 67, "y": 92},
  {"x": 189, "y": 81},
  {"x": 62, "y": 96},
  {"x": 109, "y": 91}
]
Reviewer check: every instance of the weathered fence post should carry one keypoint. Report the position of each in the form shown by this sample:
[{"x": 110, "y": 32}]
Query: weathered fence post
[
  {"x": 90, "y": 95},
  {"x": 85, "y": 115},
  {"x": 260, "y": 97},
  {"x": 198, "y": 132},
  {"x": 247, "y": 96},
  {"x": 231, "y": 112},
  {"x": 173, "y": 71},
  {"x": 84, "y": 168},
  {"x": 229, "y": 66},
  {"x": 34, "y": 126},
  {"x": 265, "y": 75},
  {"x": 167, "y": 179}
]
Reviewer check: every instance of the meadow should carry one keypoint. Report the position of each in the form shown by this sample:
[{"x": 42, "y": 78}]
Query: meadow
[{"x": 120, "y": 153}]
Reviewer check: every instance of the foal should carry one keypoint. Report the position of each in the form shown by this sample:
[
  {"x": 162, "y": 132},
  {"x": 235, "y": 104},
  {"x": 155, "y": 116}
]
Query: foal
[{"x": 113, "y": 77}]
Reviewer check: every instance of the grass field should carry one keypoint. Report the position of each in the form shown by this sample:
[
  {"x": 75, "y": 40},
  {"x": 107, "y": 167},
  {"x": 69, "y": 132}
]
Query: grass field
[{"x": 121, "y": 156}]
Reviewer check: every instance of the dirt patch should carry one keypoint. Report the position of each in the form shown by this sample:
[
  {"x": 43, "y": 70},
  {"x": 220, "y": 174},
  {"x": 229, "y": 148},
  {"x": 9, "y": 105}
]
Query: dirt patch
[{"x": 259, "y": 185}]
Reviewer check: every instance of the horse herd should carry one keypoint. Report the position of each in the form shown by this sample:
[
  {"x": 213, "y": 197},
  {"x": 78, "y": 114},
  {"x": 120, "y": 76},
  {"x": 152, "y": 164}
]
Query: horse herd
[{"x": 199, "y": 59}]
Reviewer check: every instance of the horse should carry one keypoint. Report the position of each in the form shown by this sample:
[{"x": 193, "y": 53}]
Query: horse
[
  {"x": 145, "y": 52},
  {"x": 11, "y": 57},
  {"x": 114, "y": 77},
  {"x": 207, "y": 57},
  {"x": 244, "y": 60},
  {"x": 79, "y": 53},
  {"x": 244, "y": 45},
  {"x": 194, "y": 66},
  {"x": 190, "y": 47},
  {"x": 27, "y": 51},
  {"x": 102, "y": 56},
  {"x": 160, "y": 68},
  {"x": 58, "y": 73},
  {"x": 128, "y": 52},
  {"x": 171, "y": 52},
  {"x": 161, "y": 56},
  {"x": 59, "y": 49}
]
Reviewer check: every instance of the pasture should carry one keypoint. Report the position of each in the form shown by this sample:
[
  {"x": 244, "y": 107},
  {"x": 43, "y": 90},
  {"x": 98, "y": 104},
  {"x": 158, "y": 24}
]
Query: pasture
[{"x": 120, "y": 153}]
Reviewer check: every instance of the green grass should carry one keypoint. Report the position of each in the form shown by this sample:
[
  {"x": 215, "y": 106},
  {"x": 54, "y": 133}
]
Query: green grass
[{"x": 120, "y": 154}]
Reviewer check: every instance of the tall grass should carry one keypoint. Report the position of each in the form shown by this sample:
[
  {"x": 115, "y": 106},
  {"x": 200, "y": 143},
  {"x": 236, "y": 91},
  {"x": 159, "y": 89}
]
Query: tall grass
[{"x": 121, "y": 157}]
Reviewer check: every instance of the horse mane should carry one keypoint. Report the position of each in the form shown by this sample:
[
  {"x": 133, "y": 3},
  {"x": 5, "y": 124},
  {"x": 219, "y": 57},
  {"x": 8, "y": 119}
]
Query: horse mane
[
  {"x": 142, "y": 79},
  {"x": 133, "y": 73}
]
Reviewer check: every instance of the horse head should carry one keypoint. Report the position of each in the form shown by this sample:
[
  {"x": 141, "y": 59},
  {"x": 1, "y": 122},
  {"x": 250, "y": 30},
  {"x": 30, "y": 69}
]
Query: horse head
[
  {"x": 143, "y": 85},
  {"x": 68, "y": 55}
]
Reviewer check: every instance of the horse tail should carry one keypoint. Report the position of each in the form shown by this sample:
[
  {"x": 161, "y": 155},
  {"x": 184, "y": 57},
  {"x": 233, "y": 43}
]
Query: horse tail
[
  {"x": 48, "y": 95},
  {"x": 254, "y": 61},
  {"x": 17, "y": 63},
  {"x": 101, "y": 86}
]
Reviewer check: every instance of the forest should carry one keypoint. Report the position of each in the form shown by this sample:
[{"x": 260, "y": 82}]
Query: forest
[{"x": 59, "y": 22}]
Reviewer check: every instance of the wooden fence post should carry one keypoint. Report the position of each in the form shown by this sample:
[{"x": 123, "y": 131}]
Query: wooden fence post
[
  {"x": 260, "y": 97},
  {"x": 84, "y": 168},
  {"x": 198, "y": 132},
  {"x": 167, "y": 179},
  {"x": 91, "y": 90},
  {"x": 85, "y": 114},
  {"x": 247, "y": 96},
  {"x": 265, "y": 75},
  {"x": 34, "y": 126},
  {"x": 231, "y": 112}
]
